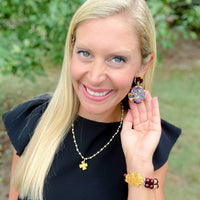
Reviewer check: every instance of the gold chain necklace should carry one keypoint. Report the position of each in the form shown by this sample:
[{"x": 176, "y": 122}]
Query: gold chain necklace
[{"x": 83, "y": 164}]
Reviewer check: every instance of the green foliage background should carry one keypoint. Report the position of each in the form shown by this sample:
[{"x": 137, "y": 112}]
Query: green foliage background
[{"x": 33, "y": 31}]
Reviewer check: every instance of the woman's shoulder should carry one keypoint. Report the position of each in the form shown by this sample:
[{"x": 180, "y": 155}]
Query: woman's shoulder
[
  {"x": 21, "y": 121},
  {"x": 169, "y": 136}
]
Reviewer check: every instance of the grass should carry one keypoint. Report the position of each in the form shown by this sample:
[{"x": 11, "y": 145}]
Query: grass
[
  {"x": 178, "y": 91},
  {"x": 15, "y": 90}
]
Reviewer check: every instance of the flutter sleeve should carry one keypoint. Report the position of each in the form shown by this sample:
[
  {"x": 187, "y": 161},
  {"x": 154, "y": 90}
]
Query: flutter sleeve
[
  {"x": 169, "y": 136},
  {"x": 21, "y": 122}
]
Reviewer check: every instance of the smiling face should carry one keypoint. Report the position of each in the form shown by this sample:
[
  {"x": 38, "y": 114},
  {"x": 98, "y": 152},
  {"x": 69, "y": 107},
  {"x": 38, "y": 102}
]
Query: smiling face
[{"x": 105, "y": 59}]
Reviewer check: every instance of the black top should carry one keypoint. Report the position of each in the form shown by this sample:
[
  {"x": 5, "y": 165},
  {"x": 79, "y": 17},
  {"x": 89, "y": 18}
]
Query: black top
[{"x": 103, "y": 179}]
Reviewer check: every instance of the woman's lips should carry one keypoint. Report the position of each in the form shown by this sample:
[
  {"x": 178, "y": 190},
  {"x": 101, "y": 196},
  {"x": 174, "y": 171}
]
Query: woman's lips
[{"x": 96, "y": 94}]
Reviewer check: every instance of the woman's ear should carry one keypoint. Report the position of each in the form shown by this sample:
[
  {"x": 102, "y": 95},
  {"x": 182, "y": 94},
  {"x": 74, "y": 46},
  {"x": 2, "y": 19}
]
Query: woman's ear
[{"x": 146, "y": 66}]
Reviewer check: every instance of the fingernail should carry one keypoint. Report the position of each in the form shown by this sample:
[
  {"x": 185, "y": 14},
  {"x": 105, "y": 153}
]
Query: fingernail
[
  {"x": 147, "y": 91},
  {"x": 156, "y": 99}
]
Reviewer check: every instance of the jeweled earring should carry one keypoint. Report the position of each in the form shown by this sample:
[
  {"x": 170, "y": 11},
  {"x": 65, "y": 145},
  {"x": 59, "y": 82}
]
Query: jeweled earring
[{"x": 137, "y": 94}]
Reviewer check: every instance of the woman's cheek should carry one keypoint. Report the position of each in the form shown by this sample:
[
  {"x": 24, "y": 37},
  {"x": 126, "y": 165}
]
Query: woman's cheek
[
  {"x": 75, "y": 69},
  {"x": 125, "y": 81}
]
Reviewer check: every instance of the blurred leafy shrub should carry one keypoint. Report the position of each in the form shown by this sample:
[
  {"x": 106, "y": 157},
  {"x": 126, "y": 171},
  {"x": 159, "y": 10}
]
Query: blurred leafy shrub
[
  {"x": 175, "y": 17},
  {"x": 31, "y": 31}
]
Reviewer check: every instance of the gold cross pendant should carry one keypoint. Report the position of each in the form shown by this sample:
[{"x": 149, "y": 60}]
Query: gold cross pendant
[{"x": 83, "y": 165}]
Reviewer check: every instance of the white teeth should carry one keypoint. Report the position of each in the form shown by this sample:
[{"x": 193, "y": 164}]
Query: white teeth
[{"x": 97, "y": 94}]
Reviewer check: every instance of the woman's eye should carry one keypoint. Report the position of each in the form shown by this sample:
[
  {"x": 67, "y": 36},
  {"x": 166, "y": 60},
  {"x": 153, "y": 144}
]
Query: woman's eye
[
  {"x": 84, "y": 53},
  {"x": 119, "y": 59}
]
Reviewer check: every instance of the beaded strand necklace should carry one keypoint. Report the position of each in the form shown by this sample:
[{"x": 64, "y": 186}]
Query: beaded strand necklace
[{"x": 83, "y": 164}]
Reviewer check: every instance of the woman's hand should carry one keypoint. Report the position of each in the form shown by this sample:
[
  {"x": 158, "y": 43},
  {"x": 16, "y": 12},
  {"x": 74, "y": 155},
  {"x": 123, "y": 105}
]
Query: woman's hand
[{"x": 141, "y": 133}]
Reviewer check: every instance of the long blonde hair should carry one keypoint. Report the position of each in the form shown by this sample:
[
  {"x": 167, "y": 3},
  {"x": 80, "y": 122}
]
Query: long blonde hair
[{"x": 35, "y": 162}]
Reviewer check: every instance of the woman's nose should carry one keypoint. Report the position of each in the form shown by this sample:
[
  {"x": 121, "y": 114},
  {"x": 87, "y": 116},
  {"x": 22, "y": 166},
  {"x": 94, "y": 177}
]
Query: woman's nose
[{"x": 97, "y": 73}]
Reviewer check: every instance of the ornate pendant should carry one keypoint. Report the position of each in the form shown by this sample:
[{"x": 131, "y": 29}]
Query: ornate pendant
[{"x": 83, "y": 165}]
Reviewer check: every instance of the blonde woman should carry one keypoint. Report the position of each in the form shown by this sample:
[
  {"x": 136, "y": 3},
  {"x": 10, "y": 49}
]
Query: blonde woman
[{"x": 73, "y": 145}]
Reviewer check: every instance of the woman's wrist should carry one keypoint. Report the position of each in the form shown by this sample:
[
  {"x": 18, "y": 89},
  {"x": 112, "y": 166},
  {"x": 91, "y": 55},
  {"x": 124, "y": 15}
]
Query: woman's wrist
[
  {"x": 141, "y": 173},
  {"x": 145, "y": 168}
]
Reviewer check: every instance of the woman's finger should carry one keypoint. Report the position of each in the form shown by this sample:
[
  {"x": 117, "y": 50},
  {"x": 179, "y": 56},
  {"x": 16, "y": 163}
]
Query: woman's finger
[
  {"x": 148, "y": 105},
  {"x": 135, "y": 113},
  {"x": 128, "y": 121},
  {"x": 155, "y": 110},
  {"x": 142, "y": 112}
]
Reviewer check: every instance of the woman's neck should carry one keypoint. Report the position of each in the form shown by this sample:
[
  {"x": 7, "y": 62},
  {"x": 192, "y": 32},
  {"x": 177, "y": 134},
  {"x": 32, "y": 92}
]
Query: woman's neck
[{"x": 112, "y": 115}]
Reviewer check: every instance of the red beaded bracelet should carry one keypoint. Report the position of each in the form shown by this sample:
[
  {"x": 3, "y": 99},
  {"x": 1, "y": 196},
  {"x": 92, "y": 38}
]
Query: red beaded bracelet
[
  {"x": 137, "y": 180},
  {"x": 151, "y": 183}
]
